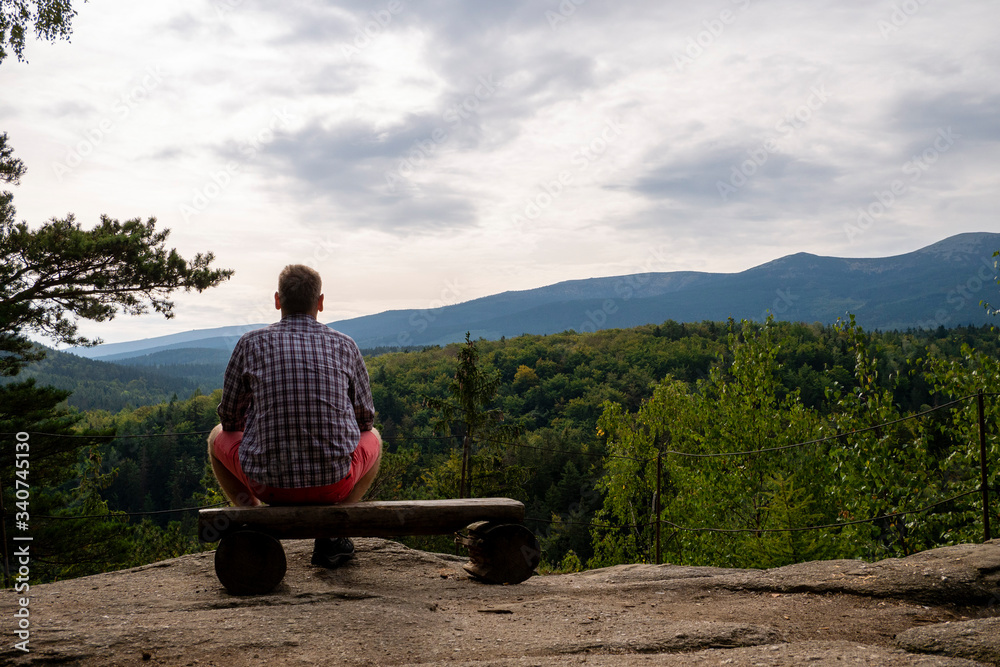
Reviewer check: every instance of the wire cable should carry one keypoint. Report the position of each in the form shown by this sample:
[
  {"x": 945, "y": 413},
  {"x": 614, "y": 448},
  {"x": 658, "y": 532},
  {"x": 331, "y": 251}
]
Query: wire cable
[
  {"x": 819, "y": 440},
  {"x": 805, "y": 528}
]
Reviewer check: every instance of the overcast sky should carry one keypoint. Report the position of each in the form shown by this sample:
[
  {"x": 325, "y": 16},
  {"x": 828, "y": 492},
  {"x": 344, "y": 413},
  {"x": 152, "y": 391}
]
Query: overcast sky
[{"x": 435, "y": 152}]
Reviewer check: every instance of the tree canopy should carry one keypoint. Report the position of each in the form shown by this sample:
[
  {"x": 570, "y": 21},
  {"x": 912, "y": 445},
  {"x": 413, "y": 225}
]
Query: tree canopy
[{"x": 50, "y": 19}]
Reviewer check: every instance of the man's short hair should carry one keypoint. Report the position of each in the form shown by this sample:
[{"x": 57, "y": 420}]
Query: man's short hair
[{"x": 299, "y": 288}]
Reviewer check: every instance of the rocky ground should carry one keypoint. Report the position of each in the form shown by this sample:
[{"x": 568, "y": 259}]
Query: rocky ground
[{"x": 394, "y": 606}]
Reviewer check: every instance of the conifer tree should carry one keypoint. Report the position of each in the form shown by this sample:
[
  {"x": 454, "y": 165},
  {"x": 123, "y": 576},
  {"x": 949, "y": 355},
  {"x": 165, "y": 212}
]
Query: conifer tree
[
  {"x": 473, "y": 391},
  {"x": 50, "y": 277}
]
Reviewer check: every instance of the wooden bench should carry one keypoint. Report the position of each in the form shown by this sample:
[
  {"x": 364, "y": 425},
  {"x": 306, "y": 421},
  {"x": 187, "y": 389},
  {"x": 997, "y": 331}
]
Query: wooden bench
[{"x": 250, "y": 559}]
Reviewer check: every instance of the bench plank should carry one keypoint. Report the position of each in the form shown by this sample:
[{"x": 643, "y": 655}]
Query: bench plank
[{"x": 364, "y": 519}]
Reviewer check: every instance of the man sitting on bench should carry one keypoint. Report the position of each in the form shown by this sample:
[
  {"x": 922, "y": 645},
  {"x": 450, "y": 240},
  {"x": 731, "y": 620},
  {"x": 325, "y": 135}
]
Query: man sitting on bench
[{"x": 297, "y": 414}]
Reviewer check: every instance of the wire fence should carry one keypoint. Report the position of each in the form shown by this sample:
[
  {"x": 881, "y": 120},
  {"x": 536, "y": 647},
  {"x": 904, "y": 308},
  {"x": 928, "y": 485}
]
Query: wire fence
[{"x": 656, "y": 523}]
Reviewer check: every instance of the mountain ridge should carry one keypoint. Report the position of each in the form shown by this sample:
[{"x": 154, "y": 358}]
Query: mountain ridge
[{"x": 940, "y": 284}]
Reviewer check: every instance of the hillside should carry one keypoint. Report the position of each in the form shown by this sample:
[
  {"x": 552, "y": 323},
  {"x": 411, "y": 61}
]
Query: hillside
[
  {"x": 396, "y": 606},
  {"x": 557, "y": 388},
  {"x": 101, "y": 385},
  {"x": 940, "y": 285}
]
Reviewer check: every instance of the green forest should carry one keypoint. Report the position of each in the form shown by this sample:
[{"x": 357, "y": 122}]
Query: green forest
[{"x": 577, "y": 426}]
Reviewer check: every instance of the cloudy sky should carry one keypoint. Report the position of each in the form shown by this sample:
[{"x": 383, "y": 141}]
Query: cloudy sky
[{"x": 435, "y": 152}]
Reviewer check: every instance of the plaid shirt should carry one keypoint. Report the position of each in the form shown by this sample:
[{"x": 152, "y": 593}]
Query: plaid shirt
[{"x": 299, "y": 391}]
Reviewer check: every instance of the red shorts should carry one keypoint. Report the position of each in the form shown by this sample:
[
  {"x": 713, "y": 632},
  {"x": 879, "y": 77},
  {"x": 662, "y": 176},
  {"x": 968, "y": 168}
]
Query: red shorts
[{"x": 227, "y": 449}]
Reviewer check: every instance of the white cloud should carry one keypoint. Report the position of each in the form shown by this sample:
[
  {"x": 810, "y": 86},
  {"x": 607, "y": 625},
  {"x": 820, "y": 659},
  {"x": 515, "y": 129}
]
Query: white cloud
[{"x": 402, "y": 146}]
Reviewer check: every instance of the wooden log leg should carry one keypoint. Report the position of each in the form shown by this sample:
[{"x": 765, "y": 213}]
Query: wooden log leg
[
  {"x": 249, "y": 563},
  {"x": 501, "y": 553}
]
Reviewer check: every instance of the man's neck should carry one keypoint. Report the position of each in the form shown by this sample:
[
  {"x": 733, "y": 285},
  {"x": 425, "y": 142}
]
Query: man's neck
[{"x": 312, "y": 315}]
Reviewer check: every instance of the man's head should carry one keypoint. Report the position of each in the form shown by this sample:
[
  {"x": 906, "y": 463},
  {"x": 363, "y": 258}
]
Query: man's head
[{"x": 299, "y": 291}]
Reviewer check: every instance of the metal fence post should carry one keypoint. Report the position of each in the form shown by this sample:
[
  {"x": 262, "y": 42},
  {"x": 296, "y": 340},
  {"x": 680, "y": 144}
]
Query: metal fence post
[
  {"x": 466, "y": 473},
  {"x": 983, "y": 479},
  {"x": 656, "y": 503}
]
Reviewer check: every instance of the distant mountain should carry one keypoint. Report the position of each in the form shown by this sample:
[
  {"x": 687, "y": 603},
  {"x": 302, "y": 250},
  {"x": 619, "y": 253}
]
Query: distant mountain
[
  {"x": 221, "y": 338},
  {"x": 99, "y": 385},
  {"x": 940, "y": 285}
]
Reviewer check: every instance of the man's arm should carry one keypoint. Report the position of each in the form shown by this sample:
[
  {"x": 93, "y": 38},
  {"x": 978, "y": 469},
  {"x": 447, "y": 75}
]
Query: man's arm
[
  {"x": 235, "y": 399},
  {"x": 361, "y": 395}
]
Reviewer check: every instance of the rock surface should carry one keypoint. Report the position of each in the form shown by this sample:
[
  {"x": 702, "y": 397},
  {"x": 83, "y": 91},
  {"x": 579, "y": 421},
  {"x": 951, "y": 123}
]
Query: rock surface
[
  {"x": 977, "y": 639},
  {"x": 393, "y": 605}
]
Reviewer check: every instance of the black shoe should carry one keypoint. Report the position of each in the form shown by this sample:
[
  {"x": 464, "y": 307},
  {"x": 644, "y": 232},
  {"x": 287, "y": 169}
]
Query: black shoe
[{"x": 331, "y": 553}]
